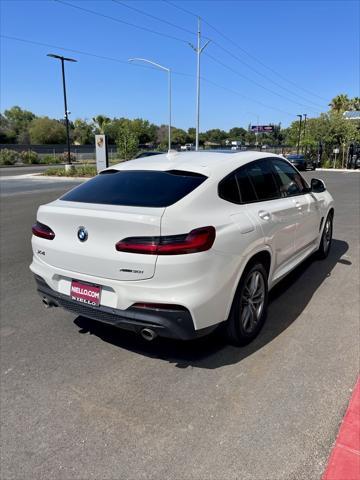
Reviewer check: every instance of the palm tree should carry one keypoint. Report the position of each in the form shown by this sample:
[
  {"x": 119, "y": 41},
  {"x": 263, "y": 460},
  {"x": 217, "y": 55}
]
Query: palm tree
[
  {"x": 355, "y": 103},
  {"x": 340, "y": 103},
  {"x": 101, "y": 121}
]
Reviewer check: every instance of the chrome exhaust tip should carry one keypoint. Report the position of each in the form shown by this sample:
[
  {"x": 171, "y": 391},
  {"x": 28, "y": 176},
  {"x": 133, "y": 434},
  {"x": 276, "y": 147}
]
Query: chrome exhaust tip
[
  {"x": 48, "y": 303},
  {"x": 148, "y": 334}
]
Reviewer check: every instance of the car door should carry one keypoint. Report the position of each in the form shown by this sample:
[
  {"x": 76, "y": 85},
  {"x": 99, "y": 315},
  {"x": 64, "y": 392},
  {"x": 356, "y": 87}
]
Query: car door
[
  {"x": 276, "y": 215},
  {"x": 294, "y": 187}
]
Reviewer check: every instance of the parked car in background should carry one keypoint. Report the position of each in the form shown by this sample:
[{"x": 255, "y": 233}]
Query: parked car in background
[
  {"x": 177, "y": 245},
  {"x": 301, "y": 162},
  {"x": 186, "y": 147},
  {"x": 236, "y": 145}
]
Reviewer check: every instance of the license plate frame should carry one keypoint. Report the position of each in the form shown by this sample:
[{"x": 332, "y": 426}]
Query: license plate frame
[{"x": 85, "y": 293}]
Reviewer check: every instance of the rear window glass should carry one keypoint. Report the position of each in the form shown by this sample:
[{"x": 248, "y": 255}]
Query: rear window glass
[
  {"x": 136, "y": 188},
  {"x": 228, "y": 189}
]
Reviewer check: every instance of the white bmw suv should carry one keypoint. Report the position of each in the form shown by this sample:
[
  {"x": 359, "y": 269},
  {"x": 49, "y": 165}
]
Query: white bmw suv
[{"x": 174, "y": 245}]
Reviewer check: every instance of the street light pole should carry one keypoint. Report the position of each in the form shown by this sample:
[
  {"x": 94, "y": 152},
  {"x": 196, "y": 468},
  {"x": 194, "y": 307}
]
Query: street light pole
[
  {"x": 299, "y": 135},
  {"x": 305, "y": 117},
  {"x": 168, "y": 70},
  {"x": 198, "y": 49},
  {"x": 63, "y": 59},
  {"x": 170, "y": 109}
]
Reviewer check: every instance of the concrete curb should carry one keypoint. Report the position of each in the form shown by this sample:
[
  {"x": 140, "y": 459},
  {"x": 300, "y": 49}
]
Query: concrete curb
[
  {"x": 347, "y": 170},
  {"x": 40, "y": 176},
  {"x": 344, "y": 461}
]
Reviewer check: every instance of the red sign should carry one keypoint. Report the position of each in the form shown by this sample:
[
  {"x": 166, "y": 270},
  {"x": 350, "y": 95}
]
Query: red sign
[{"x": 89, "y": 294}]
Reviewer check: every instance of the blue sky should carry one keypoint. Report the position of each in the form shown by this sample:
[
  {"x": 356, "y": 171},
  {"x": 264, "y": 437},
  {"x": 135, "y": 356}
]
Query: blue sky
[{"x": 313, "y": 45}]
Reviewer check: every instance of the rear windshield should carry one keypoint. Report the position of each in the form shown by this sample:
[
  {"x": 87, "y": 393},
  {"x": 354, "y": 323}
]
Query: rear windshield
[{"x": 136, "y": 188}]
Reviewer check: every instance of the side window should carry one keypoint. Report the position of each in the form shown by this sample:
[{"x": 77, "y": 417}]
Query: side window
[
  {"x": 263, "y": 180},
  {"x": 290, "y": 182},
  {"x": 247, "y": 192},
  {"x": 229, "y": 190}
]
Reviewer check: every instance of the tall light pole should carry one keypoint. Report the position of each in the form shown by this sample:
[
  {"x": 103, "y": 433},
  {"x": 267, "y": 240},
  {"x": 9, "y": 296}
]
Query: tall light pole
[
  {"x": 299, "y": 135},
  {"x": 305, "y": 116},
  {"x": 64, "y": 59},
  {"x": 168, "y": 70},
  {"x": 198, "y": 49}
]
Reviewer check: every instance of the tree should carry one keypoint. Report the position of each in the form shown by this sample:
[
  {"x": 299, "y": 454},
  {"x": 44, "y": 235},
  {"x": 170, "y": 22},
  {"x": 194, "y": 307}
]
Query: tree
[
  {"x": 355, "y": 103},
  {"x": 237, "y": 133},
  {"x": 145, "y": 131},
  {"x": 178, "y": 136},
  {"x": 44, "y": 130},
  {"x": 100, "y": 123},
  {"x": 330, "y": 129},
  {"x": 18, "y": 121},
  {"x": 215, "y": 135},
  {"x": 191, "y": 135},
  {"x": 83, "y": 132},
  {"x": 340, "y": 103},
  {"x": 7, "y": 135},
  {"x": 162, "y": 135},
  {"x": 127, "y": 143}
]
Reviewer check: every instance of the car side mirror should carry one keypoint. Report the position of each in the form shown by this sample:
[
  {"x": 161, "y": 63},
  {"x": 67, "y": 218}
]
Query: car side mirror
[{"x": 317, "y": 185}]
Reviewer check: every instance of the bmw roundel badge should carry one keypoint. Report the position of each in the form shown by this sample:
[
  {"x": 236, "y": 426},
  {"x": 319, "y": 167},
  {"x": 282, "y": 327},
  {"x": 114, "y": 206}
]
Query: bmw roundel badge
[{"x": 82, "y": 234}]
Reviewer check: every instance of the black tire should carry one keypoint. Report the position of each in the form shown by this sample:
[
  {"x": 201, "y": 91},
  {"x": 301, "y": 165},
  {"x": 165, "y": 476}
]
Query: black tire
[
  {"x": 240, "y": 329},
  {"x": 326, "y": 238}
]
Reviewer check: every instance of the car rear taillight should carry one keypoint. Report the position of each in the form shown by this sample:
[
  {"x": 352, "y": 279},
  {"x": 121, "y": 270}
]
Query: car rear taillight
[
  {"x": 43, "y": 231},
  {"x": 198, "y": 240}
]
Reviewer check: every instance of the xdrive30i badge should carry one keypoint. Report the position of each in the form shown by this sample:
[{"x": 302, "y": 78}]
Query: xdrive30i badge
[{"x": 82, "y": 234}]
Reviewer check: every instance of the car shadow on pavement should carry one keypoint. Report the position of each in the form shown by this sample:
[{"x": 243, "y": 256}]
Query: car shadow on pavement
[{"x": 287, "y": 300}]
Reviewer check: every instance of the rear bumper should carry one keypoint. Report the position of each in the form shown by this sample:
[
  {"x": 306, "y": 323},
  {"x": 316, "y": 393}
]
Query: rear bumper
[{"x": 166, "y": 323}]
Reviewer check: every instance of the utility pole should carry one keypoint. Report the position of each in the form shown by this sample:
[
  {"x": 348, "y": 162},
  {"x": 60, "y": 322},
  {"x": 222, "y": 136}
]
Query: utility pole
[
  {"x": 63, "y": 59},
  {"x": 299, "y": 135},
  {"x": 198, "y": 50}
]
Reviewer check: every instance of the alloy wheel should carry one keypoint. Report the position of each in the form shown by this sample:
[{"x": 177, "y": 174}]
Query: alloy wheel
[
  {"x": 252, "y": 301},
  {"x": 327, "y": 234}
]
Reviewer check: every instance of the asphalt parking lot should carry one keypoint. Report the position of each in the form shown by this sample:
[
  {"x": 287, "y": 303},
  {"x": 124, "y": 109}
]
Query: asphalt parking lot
[{"x": 80, "y": 400}]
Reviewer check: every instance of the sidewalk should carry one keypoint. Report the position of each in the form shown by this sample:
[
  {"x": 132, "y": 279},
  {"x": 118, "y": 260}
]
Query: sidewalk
[
  {"x": 344, "y": 461},
  {"x": 349, "y": 170}
]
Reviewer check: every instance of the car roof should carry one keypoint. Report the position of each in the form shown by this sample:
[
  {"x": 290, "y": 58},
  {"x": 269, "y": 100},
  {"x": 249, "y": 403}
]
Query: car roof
[{"x": 208, "y": 163}]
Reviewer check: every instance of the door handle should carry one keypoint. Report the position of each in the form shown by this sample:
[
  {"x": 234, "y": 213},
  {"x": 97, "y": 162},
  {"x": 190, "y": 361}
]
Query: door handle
[
  {"x": 264, "y": 215},
  {"x": 298, "y": 206}
]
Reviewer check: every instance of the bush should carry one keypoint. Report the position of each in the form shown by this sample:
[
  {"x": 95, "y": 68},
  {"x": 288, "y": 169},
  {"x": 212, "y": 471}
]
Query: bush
[
  {"x": 29, "y": 157},
  {"x": 83, "y": 171},
  {"x": 49, "y": 159},
  {"x": 64, "y": 157},
  {"x": 8, "y": 157}
]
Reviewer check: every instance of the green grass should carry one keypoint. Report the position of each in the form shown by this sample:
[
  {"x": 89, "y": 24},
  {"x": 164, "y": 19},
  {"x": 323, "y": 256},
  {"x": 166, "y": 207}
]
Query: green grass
[{"x": 83, "y": 171}]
